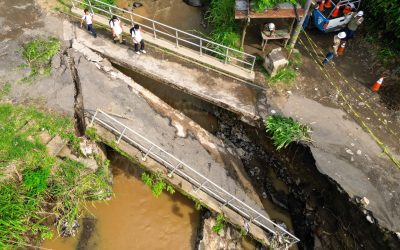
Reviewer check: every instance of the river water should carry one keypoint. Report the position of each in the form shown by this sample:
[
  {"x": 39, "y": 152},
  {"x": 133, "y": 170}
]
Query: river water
[
  {"x": 134, "y": 218},
  {"x": 174, "y": 13}
]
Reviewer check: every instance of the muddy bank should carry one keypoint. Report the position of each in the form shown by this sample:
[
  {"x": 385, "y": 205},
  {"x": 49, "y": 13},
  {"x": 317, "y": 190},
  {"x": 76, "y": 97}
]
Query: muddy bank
[
  {"x": 133, "y": 215},
  {"x": 323, "y": 215}
]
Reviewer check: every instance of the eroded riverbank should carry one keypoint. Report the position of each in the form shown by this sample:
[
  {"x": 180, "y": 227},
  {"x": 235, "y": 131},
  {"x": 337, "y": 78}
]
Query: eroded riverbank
[{"x": 133, "y": 217}]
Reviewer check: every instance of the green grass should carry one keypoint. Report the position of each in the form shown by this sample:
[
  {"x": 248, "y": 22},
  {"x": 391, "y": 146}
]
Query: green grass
[
  {"x": 5, "y": 89},
  {"x": 286, "y": 130},
  {"x": 225, "y": 29},
  {"x": 288, "y": 74},
  {"x": 387, "y": 56},
  {"x": 220, "y": 223},
  {"x": 37, "y": 54},
  {"x": 40, "y": 185},
  {"x": 156, "y": 183}
]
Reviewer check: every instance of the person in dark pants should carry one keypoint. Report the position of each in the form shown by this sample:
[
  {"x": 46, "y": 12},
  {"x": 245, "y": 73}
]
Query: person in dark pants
[
  {"x": 327, "y": 58},
  {"x": 137, "y": 39},
  {"x": 88, "y": 18}
]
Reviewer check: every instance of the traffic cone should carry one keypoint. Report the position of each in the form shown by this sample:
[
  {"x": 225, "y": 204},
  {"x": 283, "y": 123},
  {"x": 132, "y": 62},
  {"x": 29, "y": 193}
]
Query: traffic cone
[
  {"x": 335, "y": 13},
  {"x": 328, "y": 4},
  {"x": 377, "y": 84},
  {"x": 321, "y": 5},
  {"x": 341, "y": 49}
]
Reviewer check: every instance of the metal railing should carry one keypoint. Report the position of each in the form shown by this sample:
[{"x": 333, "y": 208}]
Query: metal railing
[
  {"x": 175, "y": 166},
  {"x": 178, "y": 37}
]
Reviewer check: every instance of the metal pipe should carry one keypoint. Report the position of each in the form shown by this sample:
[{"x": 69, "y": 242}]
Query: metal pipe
[{"x": 119, "y": 139}]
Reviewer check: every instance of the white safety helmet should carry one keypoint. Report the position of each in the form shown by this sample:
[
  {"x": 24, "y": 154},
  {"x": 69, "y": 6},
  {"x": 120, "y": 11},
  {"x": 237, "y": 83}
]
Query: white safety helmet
[
  {"x": 271, "y": 26},
  {"x": 342, "y": 35},
  {"x": 352, "y": 6},
  {"x": 360, "y": 13}
]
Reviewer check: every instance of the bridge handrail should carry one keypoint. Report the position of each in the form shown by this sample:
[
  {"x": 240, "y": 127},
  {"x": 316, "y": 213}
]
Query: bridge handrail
[
  {"x": 231, "y": 201},
  {"x": 229, "y": 53}
]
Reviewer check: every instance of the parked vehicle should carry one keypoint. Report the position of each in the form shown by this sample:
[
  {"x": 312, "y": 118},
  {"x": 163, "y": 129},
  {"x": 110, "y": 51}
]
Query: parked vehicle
[{"x": 334, "y": 15}]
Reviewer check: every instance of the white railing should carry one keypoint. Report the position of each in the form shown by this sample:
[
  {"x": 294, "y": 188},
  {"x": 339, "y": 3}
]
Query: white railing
[
  {"x": 175, "y": 166},
  {"x": 178, "y": 37}
]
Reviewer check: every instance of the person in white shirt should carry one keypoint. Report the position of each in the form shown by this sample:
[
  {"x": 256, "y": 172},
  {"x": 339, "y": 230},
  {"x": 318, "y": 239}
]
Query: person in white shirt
[
  {"x": 137, "y": 39},
  {"x": 88, "y": 18},
  {"x": 116, "y": 28}
]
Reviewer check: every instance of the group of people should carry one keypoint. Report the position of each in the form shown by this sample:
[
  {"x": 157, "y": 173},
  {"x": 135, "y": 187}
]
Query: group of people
[
  {"x": 340, "y": 39},
  {"x": 116, "y": 29}
]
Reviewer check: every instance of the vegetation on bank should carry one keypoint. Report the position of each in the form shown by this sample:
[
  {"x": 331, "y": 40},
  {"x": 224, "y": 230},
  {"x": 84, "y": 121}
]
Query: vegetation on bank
[
  {"x": 156, "y": 183},
  {"x": 219, "y": 224},
  {"x": 383, "y": 16},
  {"x": 37, "y": 54},
  {"x": 221, "y": 17},
  {"x": 37, "y": 189},
  {"x": 286, "y": 130}
]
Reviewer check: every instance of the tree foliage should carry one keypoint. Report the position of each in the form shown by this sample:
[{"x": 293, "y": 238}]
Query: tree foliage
[
  {"x": 385, "y": 15},
  {"x": 261, "y": 5}
]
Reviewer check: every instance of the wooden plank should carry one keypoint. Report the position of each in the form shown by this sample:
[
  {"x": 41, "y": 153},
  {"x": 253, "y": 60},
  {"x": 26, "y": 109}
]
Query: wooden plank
[{"x": 279, "y": 13}]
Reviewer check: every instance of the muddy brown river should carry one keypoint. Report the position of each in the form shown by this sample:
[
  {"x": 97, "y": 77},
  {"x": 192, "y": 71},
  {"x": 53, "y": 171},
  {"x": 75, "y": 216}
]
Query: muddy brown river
[{"x": 134, "y": 218}]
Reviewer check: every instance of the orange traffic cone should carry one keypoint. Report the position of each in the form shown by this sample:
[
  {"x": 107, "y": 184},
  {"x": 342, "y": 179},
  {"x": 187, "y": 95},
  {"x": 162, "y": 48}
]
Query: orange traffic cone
[
  {"x": 335, "y": 13},
  {"x": 346, "y": 10},
  {"x": 341, "y": 49},
  {"x": 328, "y": 4},
  {"x": 377, "y": 84},
  {"x": 321, "y": 5}
]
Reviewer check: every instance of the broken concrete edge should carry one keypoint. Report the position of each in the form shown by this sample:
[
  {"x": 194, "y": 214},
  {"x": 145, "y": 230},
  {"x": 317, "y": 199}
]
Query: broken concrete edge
[
  {"x": 216, "y": 147},
  {"x": 352, "y": 198},
  {"x": 184, "y": 187},
  {"x": 246, "y": 117},
  {"x": 250, "y": 76},
  {"x": 359, "y": 203}
]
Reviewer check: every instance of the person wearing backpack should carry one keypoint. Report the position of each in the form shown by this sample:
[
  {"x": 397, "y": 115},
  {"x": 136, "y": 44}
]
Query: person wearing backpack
[
  {"x": 88, "y": 18},
  {"x": 137, "y": 39},
  {"x": 116, "y": 28}
]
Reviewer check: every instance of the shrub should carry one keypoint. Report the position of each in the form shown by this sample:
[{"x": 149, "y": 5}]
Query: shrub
[
  {"x": 261, "y": 5},
  {"x": 225, "y": 29},
  {"x": 156, "y": 184},
  {"x": 220, "y": 223},
  {"x": 384, "y": 15},
  {"x": 285, "y": 130}
]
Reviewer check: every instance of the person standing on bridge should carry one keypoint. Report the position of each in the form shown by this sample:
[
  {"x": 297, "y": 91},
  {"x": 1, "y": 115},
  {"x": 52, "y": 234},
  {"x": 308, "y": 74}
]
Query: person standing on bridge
[
  {"x": 88, "y": 18},
  {"x": 116, "y": 28},
  {"x": 137, "y": 39}
]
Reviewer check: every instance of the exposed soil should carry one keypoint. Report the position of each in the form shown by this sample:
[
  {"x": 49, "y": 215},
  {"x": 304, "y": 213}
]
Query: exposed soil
[
  {"x": 353, "y": 75},
  {"x": 293, "y": 191},
  {"x": 323, "y": 216}
]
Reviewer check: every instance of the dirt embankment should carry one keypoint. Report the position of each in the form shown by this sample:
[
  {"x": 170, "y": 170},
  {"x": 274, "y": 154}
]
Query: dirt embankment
[{"x": 323, "y": 214}]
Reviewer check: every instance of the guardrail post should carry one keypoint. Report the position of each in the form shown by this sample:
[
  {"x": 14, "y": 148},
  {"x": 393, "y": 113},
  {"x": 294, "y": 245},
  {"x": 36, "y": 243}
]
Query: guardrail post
[
  {"x": 154, "y": 30},
  {"x": 73, "y": 4},
  {"x": 144, "y": 157},
  {"x": 226, "y": 203},
  {"x": 176, "y": 38},
  {"x": 226, "y": 55},
  {"x": 173, "y": 170},
  {"x": 132, "y": 20},
  {"x": 94, "y": 116},
  {"x": 90, "y": 6},
  {"x": 252, "y": 65},
  {"x": 122, "y": 134},
  {"x": 204, "y": 183},
  {"x": 109, "y": 10},
  {"x": 201, "y": 46}
]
